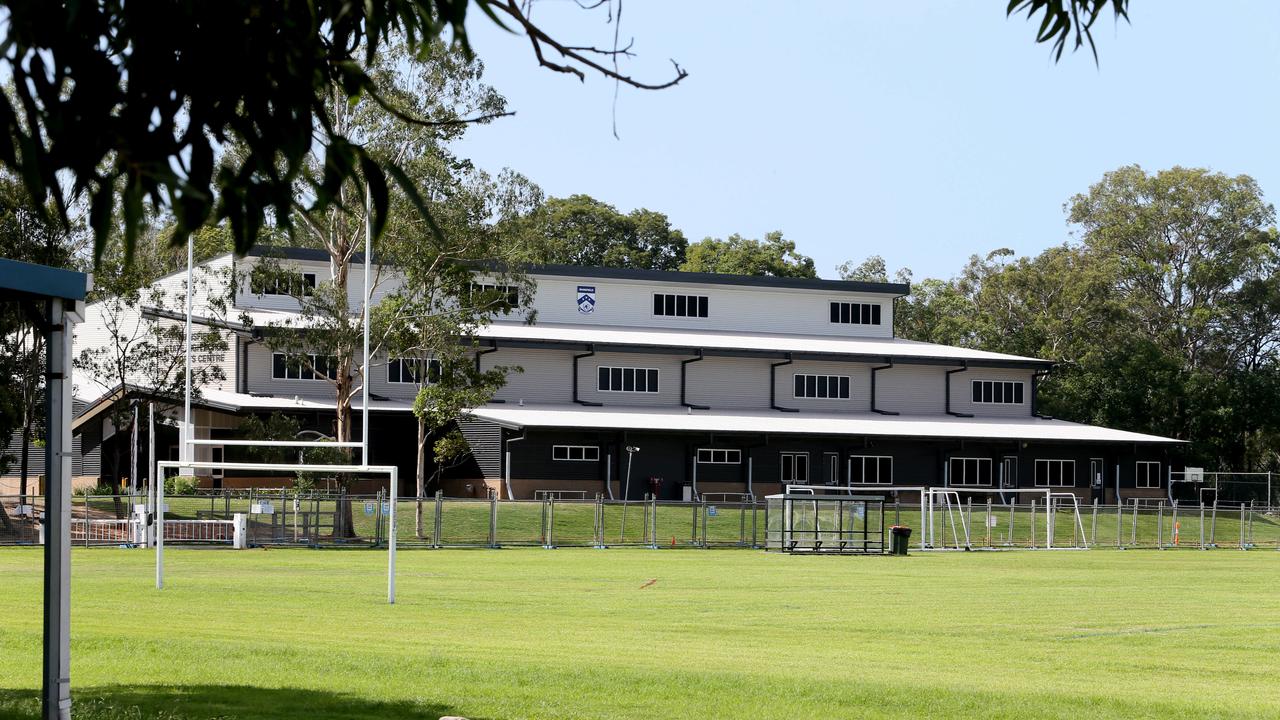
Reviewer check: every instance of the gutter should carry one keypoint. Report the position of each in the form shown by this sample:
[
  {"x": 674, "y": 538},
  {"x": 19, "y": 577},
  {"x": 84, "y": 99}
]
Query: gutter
[
  {"x": 875, "y": 370},
  {"x": 684, "y": 369},
  {"x": 963, "y": 367},
  {"x": 773, "y": 385},
  {"x": 591, "y": 350},
  {"x": 1035, "y": 391}
]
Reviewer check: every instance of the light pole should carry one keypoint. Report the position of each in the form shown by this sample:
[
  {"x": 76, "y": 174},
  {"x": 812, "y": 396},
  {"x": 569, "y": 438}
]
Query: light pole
[{"x": 626, "y": 491}]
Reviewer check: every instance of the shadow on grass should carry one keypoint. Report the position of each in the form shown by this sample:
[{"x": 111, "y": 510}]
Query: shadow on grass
[{"x": 220, "y": 702}]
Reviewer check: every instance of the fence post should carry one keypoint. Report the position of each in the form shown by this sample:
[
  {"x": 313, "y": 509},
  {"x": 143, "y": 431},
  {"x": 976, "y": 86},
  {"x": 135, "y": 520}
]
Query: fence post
[
  {"x": 1119, "y": 523},
  {"x": 1175, "y": 531},
  {"x": 1033, "y": 524},
  {"x": 1242, "y": 511},
  {"x": 654, "y": 524},
  {"x": 549, "y": 515},
  {"x": 439, "y": 519},
  {"x": 1202, "y": 525},
  {"x": 1213, "y": 523},
  {"x": 1093, "y": 526},
  {"x": 1160, "y": 526},
  {"x": 493, "y": 519}
]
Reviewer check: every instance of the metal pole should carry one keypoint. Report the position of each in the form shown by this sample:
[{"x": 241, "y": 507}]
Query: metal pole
[
  {"x": 1160, "y": 526},
  {"x": 151, "y": 475},
  {"x": 364, "y": 371},
  {"x": 184, "y": 448},
  {"x": 160, "y": 531},
  {"x": 55, "y": 694},
  {"x": 391, "y": 527},
  {"x": 1213, "y": 521}
]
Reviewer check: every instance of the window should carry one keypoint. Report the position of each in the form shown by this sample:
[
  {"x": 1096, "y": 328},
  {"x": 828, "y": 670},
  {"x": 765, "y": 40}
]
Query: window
[
  {"x": 870, "y": 470},
  {"x": 673, "y": 305},
  {"x": 496, "y": 294},
  {"x": 795, "y": 467},
  {"x": 620, "y": 379},
  {"x": 576, "y": 453},
  {"x": 825, "y": 387},
  {"x": 282, "y": 368},
  {"x": 848, "y": 313},
  {"x": 997, "y": 392},
  {"x": 1055, "y": 473},
  {"x": 719, "y": 456},
  {"x": 291, "y": 284},
  {"x": 969, "y": 471},
  {"x": 409, "y": 370},
  {"x": 1148, "y": 474}
]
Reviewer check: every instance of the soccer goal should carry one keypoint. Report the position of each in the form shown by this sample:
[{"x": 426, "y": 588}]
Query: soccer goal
[{"x": 948, "y": 512}]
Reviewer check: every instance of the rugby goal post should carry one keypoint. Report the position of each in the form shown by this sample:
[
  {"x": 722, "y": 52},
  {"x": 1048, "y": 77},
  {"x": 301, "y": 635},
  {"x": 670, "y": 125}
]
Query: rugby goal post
[{"x": 391, "y": 471}]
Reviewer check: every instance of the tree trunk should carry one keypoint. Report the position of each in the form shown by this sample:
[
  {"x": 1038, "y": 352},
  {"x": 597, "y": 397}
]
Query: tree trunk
[
  {"x": 421, "y": 474},
  {"x": 26, "y": 443}
]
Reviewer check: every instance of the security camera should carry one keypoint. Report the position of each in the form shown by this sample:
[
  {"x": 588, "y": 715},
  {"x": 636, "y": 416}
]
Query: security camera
[{"x": 633, "y": 449}]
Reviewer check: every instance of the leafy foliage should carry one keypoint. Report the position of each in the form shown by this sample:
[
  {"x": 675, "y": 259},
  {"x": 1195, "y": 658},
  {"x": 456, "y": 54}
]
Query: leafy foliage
[
  {"x": 1065, "y": 18},
  {"x": 773, "y": 256},
  {"x": 136, "y": 103},
  {"x": 581, "y": 230}
]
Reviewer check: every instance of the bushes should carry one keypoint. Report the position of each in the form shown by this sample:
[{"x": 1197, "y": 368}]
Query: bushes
[
  {"x": 95, "y": 490},
  {"x": 180, "y": 485}
]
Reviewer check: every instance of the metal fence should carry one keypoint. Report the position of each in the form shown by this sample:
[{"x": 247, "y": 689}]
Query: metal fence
[{"x": 278, "y": 518}]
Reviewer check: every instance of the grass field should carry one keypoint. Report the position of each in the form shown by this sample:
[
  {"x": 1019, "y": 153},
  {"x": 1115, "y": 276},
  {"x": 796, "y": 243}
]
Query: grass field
[{"x": 621, "y": 633}]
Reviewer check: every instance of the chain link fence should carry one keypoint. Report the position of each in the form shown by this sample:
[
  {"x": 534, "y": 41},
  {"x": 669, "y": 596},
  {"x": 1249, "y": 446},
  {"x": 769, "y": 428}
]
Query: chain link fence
[{"x": 335, "y": 519}]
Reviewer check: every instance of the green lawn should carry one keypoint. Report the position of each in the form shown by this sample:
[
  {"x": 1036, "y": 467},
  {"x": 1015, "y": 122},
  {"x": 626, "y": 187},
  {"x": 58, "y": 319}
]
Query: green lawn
[{"x": 633, "y": 633}]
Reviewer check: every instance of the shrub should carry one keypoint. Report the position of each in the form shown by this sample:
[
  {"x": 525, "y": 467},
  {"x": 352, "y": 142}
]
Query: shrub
[
  {"x": 181, "y": 485},
  {"x": 95, "y": 490}
]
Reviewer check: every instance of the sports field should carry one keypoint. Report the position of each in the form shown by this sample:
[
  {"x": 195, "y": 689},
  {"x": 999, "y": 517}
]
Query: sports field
[{"x": 580, "y": 633}]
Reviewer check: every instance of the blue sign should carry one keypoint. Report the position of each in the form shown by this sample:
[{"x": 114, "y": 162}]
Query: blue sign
[
  {"x": 368, "y": 508},
  {"x": 711, "y": 510},
  {"x": 586, "y": 299},
  {"x": 386, "y": 508}
]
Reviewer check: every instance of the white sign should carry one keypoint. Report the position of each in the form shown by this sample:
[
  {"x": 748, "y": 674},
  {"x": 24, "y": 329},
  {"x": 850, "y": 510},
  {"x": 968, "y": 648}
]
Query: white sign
[
  {"x": 993, "y": 521},
  {"x": 586, "y": 299},
  {"x": 262, "y": 508},
  {"x": 386, "y": 508},
  {"x": 711, "y": 511},
  {"x": 368, "y": 508}
]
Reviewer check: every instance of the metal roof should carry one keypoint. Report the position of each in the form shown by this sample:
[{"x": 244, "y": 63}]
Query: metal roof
[
  {"x": 684, "y": 341},
  {"x": 706, "y": 278},
  {"x": 805, "y": 423},
  {"x": 25, "y": 279}
]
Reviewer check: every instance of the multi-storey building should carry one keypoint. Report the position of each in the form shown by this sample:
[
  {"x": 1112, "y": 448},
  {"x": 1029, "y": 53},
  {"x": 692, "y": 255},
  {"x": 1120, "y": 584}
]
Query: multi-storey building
[{"x": 717, "y": 383}]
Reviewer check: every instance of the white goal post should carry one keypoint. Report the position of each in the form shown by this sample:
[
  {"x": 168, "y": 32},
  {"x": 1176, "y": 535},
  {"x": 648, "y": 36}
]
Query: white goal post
[
  {"x": 391, "y": 471},
  {"x": 942, "y": 497}
]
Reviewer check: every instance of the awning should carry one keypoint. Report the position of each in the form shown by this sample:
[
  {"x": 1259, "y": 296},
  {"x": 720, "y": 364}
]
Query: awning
[{"x": 763, "y": 421}]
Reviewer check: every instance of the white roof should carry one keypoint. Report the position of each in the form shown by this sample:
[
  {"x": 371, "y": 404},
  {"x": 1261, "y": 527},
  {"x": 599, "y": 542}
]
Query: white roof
[
  {"x": 809, "y": 423},
  {"x": 722, "y": 340},
  {"x": 259, "y": 402}
]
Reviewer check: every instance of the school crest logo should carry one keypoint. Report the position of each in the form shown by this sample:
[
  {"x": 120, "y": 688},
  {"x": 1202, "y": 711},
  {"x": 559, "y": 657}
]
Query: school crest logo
[{"x": 586, "y": 299}]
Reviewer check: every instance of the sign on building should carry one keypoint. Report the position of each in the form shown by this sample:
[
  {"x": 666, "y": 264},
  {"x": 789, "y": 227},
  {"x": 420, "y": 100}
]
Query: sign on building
[{"x": 586, "y": 299}]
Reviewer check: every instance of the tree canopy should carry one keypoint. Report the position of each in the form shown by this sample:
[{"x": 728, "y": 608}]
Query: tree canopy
[
  {"x": 581, "y": 230},
  {"x": 774, "y": 255}
]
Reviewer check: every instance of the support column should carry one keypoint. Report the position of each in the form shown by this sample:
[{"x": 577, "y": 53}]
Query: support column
[{"x": 55, "y": 699}]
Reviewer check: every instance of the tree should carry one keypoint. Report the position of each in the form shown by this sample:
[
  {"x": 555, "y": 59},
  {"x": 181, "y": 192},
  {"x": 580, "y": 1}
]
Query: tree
[
  {"x": 1064, "y": 19},
  {"x": 873, "y": 269},
  {"x": 580, "y": 230},
  {"x": 133, "y": 104},
  {"x": 148, "y": 355},
  {"x": 774, "y": 256},
  {"x": 31, "y": 237}
]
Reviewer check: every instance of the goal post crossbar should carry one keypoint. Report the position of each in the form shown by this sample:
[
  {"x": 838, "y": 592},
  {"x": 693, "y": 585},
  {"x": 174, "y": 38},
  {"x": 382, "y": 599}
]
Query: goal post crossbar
[
  {"x": 280, "y": 443},
  {"x": 391, "y": 471}
]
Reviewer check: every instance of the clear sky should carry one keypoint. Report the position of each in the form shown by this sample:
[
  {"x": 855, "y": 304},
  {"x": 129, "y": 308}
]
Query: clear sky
[{"x": 922, "y": 131}]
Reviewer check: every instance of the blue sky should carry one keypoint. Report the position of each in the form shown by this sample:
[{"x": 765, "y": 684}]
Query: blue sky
[{"x": 920, "y": 131}]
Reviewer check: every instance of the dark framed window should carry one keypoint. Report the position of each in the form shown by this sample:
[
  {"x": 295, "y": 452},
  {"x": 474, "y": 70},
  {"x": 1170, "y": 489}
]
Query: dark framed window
[
  {"x": 678, "y": 305},
  {"x": 627, "y": 379},
  {"x": 489, "y": 293},
  {"x": 575, "y": 453},
  {"x": 870, "y": 470},
  {"x": 1055, "y": 473},
  {"x": 290, "y": 284},
  {"x": 963, "y": 471},
  {"x": 998, "y": 392},
  {"x": 821, "y": 387},
  {"x": 282, "y": 368},
  {"x": 409, "y": 370},
  {"x": 852, "y": 313},
  {"x": 719, "y": 456},
  {"x": 795, "y": 467},
  {"x": 1147, "y": 474}
]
